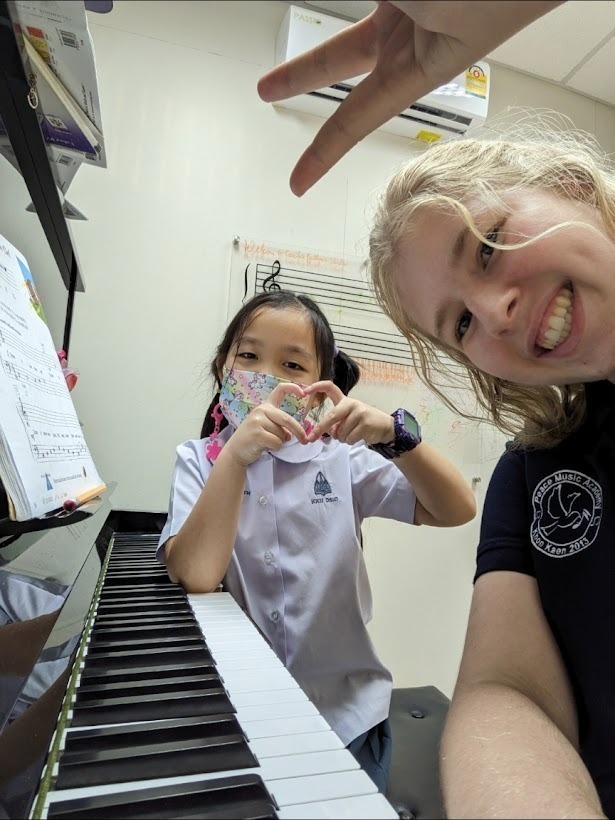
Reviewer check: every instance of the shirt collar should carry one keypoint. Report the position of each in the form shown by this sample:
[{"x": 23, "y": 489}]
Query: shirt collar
[{"x": 296, "y": 453}]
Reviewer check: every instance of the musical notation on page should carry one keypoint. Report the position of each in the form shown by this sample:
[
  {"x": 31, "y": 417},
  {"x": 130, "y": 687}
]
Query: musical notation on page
[{"x": 47, "y": 459}]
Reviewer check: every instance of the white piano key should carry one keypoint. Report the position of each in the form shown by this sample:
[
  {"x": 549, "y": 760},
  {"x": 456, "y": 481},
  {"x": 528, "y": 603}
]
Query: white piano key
[
  {"x": 284, "y": 726},
  {"x": 295, "y": 744},
  {"x": 229, "y": 654},
  {"x": 314, "y": 788},
  {"x": 264, "y": 698},
  {"x": 275, "y": 711},
  {"x": 267, "y": 662},
  {"x": 367, "y": 807},
  {"x": 212, "y": 598},
  {"x": 307, "y": 765},
  {"x": 244, "y": 680}
]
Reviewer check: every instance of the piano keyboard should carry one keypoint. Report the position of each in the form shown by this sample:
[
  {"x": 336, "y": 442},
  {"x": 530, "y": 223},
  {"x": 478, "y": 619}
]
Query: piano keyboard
[{"x": 178, "y": 708}]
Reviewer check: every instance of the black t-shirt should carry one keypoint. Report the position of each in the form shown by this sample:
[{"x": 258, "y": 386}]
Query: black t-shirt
[{"x": 551, "y": 514}]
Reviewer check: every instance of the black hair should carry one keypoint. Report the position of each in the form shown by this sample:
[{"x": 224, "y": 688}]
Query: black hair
[{"x": 334, "y": 364}]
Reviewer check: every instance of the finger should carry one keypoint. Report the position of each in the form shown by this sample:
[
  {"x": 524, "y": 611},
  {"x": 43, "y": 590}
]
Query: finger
[
  {"x": 281, "y": 390},
  {"x": 376, "y": 99},
  {"x": 348, "y": 431},
  {"x": 347, "y": 54},
  {"x": 285, "y": 420},
  {"x": 274, "y": 441},
  {"x": 326, "y": 424},
  {"x": 330, "y": 390}
]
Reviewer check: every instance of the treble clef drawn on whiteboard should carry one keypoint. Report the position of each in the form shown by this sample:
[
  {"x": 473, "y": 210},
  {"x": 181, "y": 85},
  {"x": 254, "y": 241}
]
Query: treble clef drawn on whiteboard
[{"x": 270, "y": 282}]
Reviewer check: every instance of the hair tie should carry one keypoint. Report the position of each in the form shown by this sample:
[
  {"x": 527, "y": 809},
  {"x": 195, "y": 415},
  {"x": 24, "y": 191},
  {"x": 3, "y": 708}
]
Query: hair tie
[{"x": 336, "y": 351}]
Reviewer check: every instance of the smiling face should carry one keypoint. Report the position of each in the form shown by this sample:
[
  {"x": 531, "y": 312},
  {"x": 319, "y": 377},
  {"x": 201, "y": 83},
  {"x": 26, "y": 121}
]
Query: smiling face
[{"x": 542, "y": 314}]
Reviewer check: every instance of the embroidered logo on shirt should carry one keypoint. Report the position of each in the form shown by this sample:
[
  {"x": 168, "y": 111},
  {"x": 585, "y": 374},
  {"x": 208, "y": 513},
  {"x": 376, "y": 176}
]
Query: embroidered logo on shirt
[
  {"x": 567, "y": 512},
  {"x": 323, "y": 489},
  {"x": 321, "y": 485}
]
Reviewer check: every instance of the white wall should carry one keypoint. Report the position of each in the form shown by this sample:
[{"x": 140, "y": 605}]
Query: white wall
[{"x": 194, "y": 158}]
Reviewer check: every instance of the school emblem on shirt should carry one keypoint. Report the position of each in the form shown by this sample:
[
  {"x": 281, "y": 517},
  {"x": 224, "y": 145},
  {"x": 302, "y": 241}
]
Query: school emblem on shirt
[
  {"x": 321, "y": 485},
  {"x": 567, "y": 512},
  {"x": 323, "y": 490}
]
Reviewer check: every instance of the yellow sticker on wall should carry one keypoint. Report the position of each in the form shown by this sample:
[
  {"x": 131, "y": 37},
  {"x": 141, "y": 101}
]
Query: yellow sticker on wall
[
  {"x": 476, "y": 82},
  {"x": 428, "y": 136}
]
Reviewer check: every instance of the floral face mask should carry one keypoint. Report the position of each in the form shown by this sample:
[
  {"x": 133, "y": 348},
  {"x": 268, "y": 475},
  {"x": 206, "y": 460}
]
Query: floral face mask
[{"x": 243, "y": 390}]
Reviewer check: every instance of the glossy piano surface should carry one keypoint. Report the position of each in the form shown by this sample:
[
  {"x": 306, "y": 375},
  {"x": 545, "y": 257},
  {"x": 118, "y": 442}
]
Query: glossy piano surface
[{"x": 47, "y": 581}]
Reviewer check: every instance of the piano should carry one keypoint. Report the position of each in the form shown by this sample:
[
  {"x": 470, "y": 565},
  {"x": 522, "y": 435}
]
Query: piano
[{"x": 145, "y": 702}]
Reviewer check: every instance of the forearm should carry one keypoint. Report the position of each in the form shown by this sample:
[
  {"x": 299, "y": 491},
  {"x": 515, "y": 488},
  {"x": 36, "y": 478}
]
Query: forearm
[
  {"x": 503, "y": 757},
  {"x": 440, "y": 488},
  {"x": 200, "y": 553}
]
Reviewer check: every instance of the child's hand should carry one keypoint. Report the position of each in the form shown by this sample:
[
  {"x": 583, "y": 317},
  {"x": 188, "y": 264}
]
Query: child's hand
[
  {"x": 351, "y": 420},
  {"x": 266, "y": 428}
]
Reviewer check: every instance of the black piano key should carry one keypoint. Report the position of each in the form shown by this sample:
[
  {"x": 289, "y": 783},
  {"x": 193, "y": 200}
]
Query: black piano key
[
  {"x": 93, "y": 676},
  {"x": 125, "y": 641},
  {"x": 160, "y": 590},
  {"x": 141, "y": 684},
  {"x": 159, "y": 656},
  {"x": 134, "y": 579},
  {"x": 144, "y": 644},
  {"x": 243, "y": 797},
  {"x": 154, "y": 701},
  {"x": 144, "y": 604},
  {"x": 128, "y": 621},
  {"x": 123, "y": 754},
  {"x": 150, "y": 615},
  {"x": 135, "y": 633}
]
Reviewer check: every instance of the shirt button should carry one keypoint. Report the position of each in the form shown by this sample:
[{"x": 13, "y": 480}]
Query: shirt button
[
  {"x": 268, "y": 557},
  {"x": 275, "y": 615},
  {"x": 263, "y": 500}
]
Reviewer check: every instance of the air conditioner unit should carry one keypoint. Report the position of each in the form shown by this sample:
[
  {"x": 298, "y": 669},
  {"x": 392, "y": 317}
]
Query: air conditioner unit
[{"x": 444, "y": 113}]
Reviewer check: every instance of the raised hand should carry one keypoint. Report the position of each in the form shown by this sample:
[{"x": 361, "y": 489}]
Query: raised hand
[
  {"x": 350, "y": 420},
  {"x": 407, "y": 49},
  {"x": 267, "y": 427}
]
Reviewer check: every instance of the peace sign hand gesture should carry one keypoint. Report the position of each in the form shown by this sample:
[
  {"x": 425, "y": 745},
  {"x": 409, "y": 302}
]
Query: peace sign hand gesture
[{"x": 407, "y": 49}]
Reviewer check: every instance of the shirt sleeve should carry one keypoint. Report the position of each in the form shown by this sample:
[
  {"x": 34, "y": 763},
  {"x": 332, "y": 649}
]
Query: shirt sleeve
[
  {"x": 186, "y": 486},
  {"x": 379, "y": 488},
  {"x": 505, "y": 528}
]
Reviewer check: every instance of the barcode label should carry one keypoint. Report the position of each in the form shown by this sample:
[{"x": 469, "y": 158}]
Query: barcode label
[
  {"x": 68, "y": 39},
  {"x": 64, "y": 160}
]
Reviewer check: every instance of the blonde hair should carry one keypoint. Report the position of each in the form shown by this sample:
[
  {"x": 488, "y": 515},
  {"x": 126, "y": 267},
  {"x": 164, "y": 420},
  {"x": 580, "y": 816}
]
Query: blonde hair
[{"x": 446, "y": 176}]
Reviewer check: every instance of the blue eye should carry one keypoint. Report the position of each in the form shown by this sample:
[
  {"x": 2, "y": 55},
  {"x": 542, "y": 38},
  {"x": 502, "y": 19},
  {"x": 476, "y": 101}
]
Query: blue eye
[
  {"x": 486, "y": 250},
  {"x": 463, "y": 325}
]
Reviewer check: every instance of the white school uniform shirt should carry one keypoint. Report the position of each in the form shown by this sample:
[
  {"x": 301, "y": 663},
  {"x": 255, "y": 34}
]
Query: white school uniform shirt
[{"x": 297, "y": 566}]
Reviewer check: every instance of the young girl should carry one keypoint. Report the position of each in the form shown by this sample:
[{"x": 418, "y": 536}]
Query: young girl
[
  {"x": 501, "y": 253},
  {"x": 276, "y": 511}
]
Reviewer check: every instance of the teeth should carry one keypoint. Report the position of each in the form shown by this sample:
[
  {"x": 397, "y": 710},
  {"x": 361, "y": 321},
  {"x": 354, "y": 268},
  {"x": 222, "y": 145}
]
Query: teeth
[{"x": 556, "y": 327}]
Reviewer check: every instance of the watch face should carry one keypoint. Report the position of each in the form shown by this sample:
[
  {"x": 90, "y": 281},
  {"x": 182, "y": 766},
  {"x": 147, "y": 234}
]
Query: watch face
[{"x": 411, "y": 424}]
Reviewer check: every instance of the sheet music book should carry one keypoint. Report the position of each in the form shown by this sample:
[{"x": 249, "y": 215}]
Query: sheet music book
[
  {"x": 58, "y": 56},
  {"x": 44, "y": 459}
]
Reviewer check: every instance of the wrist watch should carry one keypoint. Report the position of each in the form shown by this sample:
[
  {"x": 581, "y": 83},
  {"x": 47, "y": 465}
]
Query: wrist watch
[{"x": 407, "y": 435}]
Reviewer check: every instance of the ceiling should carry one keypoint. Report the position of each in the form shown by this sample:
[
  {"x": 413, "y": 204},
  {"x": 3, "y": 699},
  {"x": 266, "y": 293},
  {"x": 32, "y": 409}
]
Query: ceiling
[{"x": 573, "y": 46}]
